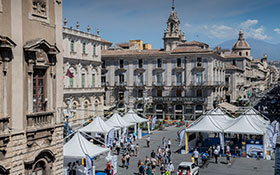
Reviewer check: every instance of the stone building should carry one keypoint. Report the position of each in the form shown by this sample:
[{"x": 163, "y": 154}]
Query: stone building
[
  {"x": 82, "y": 73},
  {"x": 31, "y": 128},
  {"x": 175, "y": 82}
]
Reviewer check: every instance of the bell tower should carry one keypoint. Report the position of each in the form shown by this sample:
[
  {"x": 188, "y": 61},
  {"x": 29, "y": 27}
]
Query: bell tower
[{"x": 173, "y": 35}]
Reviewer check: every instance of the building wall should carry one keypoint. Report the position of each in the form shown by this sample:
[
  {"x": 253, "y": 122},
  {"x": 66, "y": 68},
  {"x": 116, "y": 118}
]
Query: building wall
[{"x": 26, "y": 140}]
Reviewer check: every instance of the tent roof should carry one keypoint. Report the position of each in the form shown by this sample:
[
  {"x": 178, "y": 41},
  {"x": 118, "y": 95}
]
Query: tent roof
[
  {"x": 244, "y": 125},
  {"x": 97, "y": 126},
  {"x": 117, "y": 121},
  {"x": 258, "y": 116},
  {"x": 78, "y": 147},
  {"x": 132, "y": 117}
]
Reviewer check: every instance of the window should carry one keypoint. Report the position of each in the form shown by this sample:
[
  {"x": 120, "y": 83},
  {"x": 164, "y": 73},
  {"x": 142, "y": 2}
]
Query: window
[
  {"x": 39, "y": 88},
  {"x": 86, "y": 109},
  {"x": 140, "y": 78},
  {"x": 72, "y": 46},
  {"x": 39, "y": 169},
  {"x": 121, "y": 63},
  {"x": 94, "y": 49},
  {"x": 247, "y": 54},
  {"x": 179, "y": 62},
  {"x": 199, "y": 78},
  {"x": 199, "y": 93},
  {"x": 179, "y": 78},
  {"x": 140, "y": 63},
  {"x": 171, "y": 27},
  {"x": 240, "y": 54},
  {"x": 178, "y": 92},
  {"x": 121, "y": 95},
  {"x": 199, "y": 62},
  {"x": 140, "y": 93},
  {"x": 103, "y": 64},
  {"x": 121, "y": 77},
  {"x": 71, "y": 82},
  {"x": 103, "y": 78},
  {"x": 159, "y": 78},
  {"x": 159, "y": 93},
  {"x": 93, "y": 80},
  {"x": 159, "y": 63},
  {"x": 84, "y": 48},
  {"x": 83, "y": 80},
  {"x": 234, "y": 62},
  {"x": 74, "y": 107}
]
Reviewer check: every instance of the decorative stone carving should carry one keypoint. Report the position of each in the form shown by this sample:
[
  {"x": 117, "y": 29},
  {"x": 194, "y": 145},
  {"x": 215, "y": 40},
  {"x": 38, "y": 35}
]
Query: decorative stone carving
[
  {"x": 39, "y": 7},
  {"x": 41, "y": 56}
]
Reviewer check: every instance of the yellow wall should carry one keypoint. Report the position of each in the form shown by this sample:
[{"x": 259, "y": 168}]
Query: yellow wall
[
  {"x": 147, "y": 46},
  {"x": 139, "y": 43}
]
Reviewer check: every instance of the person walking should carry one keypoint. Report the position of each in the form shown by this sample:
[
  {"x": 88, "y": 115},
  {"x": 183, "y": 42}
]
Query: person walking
[
  {"x": 196, "y": 156},
  {"x": 149, "y": 169},
  {"x": 228, "y": 158},
  {"x": 127, "y": 157},
  {"x": 204, "y": 157},
  {"x": 210, "y": 152},
  {"x": 118, "y": 147},
  {"x": 162, "y": 169},
  {"x": 148, "y": 139},
  {"x": 132, "y": 148},
  {"x": 163, "y": 142},
  {"x": 123, "y": 161},
  {"x": 141, "y": 168},
  {"x": 137, "y": 149},
  {"x": 169, "y": 143},
  {"x": 108, "y": 168},
  {"x": 216, "y": 155},
  {"x": 153, "y": 154},
  {"x": 170, "y": 168}
]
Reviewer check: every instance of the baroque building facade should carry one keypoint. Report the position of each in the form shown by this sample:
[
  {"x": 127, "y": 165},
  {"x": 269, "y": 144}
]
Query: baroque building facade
[
  {"x": 82, "y": 73},
  {"x": 31, "y": 128},
  {"x": 176, "y": 82}
]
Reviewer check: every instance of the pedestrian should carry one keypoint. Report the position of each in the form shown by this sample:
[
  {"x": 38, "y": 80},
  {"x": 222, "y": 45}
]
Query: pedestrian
[
  {"x": 192, "y": 159},
  {"x": 162, "y": 169},
  {"x": 132, "y": 148},
  {"x": 108, "y": 168},
  {"x": 210, "y": 152},
  {"x": 118, "y": 147},
  {"x": 228, "y": 158},
  {"x": 153, "y": 154},
  {"x": 141, "y": 169},
  {"x": 154, "y": 164},
  {"x": 170, "y": 168},
  {"x": 204, "y": 157},
  {"x": 163, "y": 141},
  {"x": 169, "y": 143},
  {"x": 236, "y": 151},
  {"x": 137, "y": 148},
  {"x": 228, "y": 148},
  {"x": 196, "y": 156},
  {"x": 123, "y": 161},
  {"x": 216, "y": 154},
  {"x": 127, "y": 157},
  {"x": 147, "y": 161},
  {"x": 134, "y": 136},
  {"x": 219, "y": 148},
  {"x": 148, "y": 139},
  {"x": 149, "y": 169}
]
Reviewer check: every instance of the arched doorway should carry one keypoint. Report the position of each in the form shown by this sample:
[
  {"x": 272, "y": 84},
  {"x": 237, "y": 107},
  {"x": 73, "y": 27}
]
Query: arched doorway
[
  {"x": 3, "y": 170},
  {"x": 178, "y": 112},
  {"x": 159, "y": 111}
]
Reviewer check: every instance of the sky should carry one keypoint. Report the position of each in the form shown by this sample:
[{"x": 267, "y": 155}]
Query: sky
[{"x": 210, "y": 21}]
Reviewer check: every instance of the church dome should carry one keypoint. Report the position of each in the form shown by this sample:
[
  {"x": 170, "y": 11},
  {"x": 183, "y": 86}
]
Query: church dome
[{"x": 241, "y": 44}]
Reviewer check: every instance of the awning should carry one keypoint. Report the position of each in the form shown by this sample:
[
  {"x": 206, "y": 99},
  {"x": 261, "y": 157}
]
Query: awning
[{"x": 228, "y": 106}]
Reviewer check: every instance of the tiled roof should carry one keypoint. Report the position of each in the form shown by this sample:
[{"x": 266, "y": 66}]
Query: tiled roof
[
  {"x": 105, "y": 41},
  {"x": 194, "y": 43},
  {"x": 189, "y": 50},
  {"x": 234, "y": 56}
]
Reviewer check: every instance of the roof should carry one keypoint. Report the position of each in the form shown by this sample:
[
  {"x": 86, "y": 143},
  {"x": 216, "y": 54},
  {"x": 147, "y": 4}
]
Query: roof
[
  {"x": 194, "y": 43},
  {"x": 234, "y": 56},
  {"x": 191, "y": 49},
  {"x": 228, "y": 106},
  {"x": 232, "y": 67},
  {"x": 132, "y": 117},
  {"x": 117, "y": 121},
  {"x": 105, "y": 41},
  {"x": 241, "y": 44},
  {"x": 97, "y": 126},
  {"x": 133, "y": 52}
]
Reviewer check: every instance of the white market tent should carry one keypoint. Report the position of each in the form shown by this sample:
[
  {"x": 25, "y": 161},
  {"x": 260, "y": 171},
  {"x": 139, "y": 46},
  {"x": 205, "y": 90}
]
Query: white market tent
[
  {"x": 97, "y": 126},
  {"x": 245, "y": 125},
  {"x": 257, "y": 116},
  {"x": 132, "y": 117},
  {"x": 117, "y": 121},
  {"x": 78, "y": 147}
]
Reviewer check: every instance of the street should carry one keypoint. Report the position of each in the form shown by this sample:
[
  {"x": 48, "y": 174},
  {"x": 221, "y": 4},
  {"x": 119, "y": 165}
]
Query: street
[{"x": 238, "y": 165}]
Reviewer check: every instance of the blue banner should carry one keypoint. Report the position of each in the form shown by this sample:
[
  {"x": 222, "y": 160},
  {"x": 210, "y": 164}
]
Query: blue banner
[{"x": 154, "y": 123}]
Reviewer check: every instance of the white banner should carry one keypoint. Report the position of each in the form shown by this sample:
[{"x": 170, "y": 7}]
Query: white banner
[
  {"x": 222, "y": 141},
  {"x": 89, "y": 165},
  {"x": 182, "y": 133},
  {"x": 154, "y": 123},
  {"x": 110, "y": 138},
  {"x": 124, "y": 132}
]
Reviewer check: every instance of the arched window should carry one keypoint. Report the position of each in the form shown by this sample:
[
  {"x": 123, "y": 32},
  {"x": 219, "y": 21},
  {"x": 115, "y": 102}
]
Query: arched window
[
  {"x": 94, "y": 50},
  {"x": 40, "y": 168},
  {"x": 247, "y": 54},
  {"x": 84, "y": 48},
  {"x": 72, "y": 46},
  {"x": 240, "y": 53},
  {"x": 74, "y": 107},
  {"x": 171, "y": 27}
]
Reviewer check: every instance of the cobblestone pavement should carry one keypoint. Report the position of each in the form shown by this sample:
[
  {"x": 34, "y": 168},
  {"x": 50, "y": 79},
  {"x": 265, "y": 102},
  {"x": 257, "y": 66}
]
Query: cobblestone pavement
[{"x": 239, "y": 166}]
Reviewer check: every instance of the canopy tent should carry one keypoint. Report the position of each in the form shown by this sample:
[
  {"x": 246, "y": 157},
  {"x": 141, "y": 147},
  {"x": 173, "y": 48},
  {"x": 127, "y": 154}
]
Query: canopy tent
[
  {"x": 244, "y": 125},
  {"x": 78, "y": 147},
  {"x": 213, "y": 121},
  {"x": 117, "y": 121},
  {"x": 97, "y": 126},
  {"x": 132, "y": 117},
  {"x": 228, "y": 106},
  {"x": 257, "y": 116}
]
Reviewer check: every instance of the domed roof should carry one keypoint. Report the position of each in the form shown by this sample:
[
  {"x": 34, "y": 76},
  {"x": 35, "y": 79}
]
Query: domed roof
[{"x": 241, "y": 44}]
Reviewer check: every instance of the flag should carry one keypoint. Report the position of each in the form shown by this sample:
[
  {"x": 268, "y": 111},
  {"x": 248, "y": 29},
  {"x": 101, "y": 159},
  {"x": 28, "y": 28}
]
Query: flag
[
  {"x": 89, "y": 165},
  {"x": 222, "y": 140},
  {"x": 154, "y": 123},
  {"x": 69, "y": 74},
  {"x": 110, "y": 138},
  {"x": 182, "y": 133}
]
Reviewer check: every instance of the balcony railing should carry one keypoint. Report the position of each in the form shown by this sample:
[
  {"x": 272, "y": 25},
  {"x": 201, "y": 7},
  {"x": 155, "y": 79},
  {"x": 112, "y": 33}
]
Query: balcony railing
[
  {"x": 180, "y": 99},
  {"x": 103, "y": 84},
  {"x": 175, "y": 83},
  {"x": 160, "y": 83},
  {"x": 139, "y": 84},
  {"x": 84, "y": 90},
  {"x": 40, "y": 120},
  {"x": 207, "y": 84},
  {"x": 121, "y": 84}
]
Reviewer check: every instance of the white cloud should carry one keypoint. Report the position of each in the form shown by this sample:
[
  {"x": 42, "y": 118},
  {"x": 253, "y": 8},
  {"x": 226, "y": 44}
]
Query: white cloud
[
  {"x": 249, "y": 23},
  {"x": 221, "y": 31},
  {"x": 187, "y": 25},
  {"x": 277, "y": 30}
]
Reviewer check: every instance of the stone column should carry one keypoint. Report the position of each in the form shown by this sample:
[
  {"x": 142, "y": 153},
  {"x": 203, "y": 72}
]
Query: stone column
[
  {"x": 5, "y": 70},
  {"x": 30, "y": 85}
]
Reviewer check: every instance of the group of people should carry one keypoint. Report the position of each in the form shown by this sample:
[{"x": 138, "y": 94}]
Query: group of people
[{"x": 75, "y": 168}]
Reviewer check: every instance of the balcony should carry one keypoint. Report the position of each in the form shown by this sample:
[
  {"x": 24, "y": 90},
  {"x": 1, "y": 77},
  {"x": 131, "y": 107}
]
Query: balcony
[
  {"x": 139, "y": 84},
  {"x": 158, "y": 69},
  {"x": 104, "y": 84},
  {"x": 158, "y": 84},
  {"x": 177, "y": 84},
  {"x": 198, "y": 67},
  {"x": 121, "y": 69},
  {"x": 179, "y": 69},
  {"x": 83, "y": 90},
  {"x": 139, "y": 70},
  {"x": 121, "y": 85},
  {"x": 180, "y": 99},
  {"x": 104, "y": 70},
  {"x": 40, "y": 120}
]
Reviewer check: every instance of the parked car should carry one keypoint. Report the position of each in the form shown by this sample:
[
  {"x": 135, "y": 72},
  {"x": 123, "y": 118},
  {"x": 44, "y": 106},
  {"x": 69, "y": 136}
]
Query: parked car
[{"x": 187, "y": 168}]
